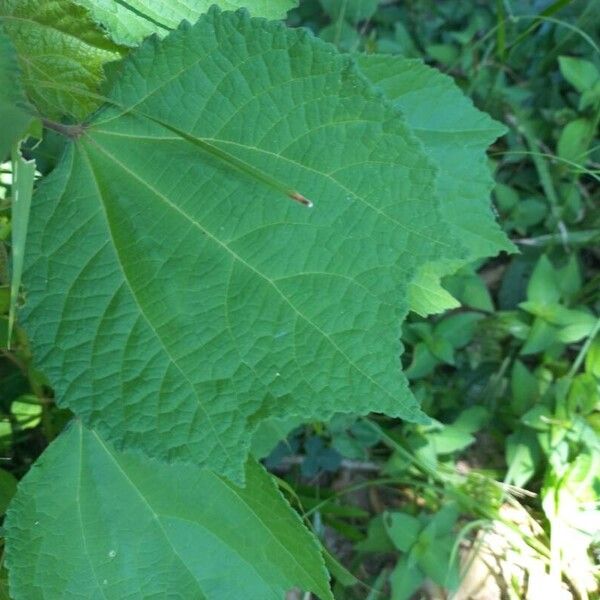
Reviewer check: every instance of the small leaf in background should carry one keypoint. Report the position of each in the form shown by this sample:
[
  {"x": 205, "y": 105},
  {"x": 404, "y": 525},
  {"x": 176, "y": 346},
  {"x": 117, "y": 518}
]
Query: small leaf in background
[
  {"x": 543, "y": 286},
  {"x": 592, "y": 358},
  {"x": 319, "y": 457},
  {"x": 352, "y": 437},
  {"x": 445, "y": 54},
  {"x": 405, "y": 579},
  {"x": 377, "y": 539},
  {"x": 458, "y": 329},
  {"x": 426, "y": 544},
  {"x": 269, "y": 433},
  {"x": 469, "y": 289},
  {"x": 427, "y": 296},
  {"x": 116, "y": 525},
  {"x": 423, "y": 362},
  {"x": 442, "y": 349},
  {"x": 435, "y": 548},
  {"x": 581, "y": 74},
  {"x": 450, "y": 439},
  {"x": 523, "y": 456},
  {"x": 528, "y": 212},
  {"x": 571, "y": 325},
  {"x": 584, "y": 394},
  {"x": 506, "y": 197},
  {"x": 569, "y": 277},
  {"x": 403, "y": 529},
  {"x": 538, "y": 418},
  {"x": 513, "y": 288},
  {"x": 26, "y": 411},
  {"x": 575, "y": 139},
  {"x": 524, "y": 388},
  {"x": 458, "y": 435}
]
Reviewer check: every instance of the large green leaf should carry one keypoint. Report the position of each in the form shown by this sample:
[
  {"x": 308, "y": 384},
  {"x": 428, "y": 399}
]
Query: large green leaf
[
  {"x": 130, "y": 22},
  {"x": 15, "y": 115},
  {"x": 90, "y": 522},
  {"x": 61, "y": 52},
  {"x": 455, "y": 135},
  {"x": 176, "y": 301}
]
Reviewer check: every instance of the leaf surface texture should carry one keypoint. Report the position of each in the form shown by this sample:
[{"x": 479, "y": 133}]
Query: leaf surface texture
[
  {"x": 187, "y": 301},
  {"x": 91, "y": 522},
  {"x": 455, "y": 135}
]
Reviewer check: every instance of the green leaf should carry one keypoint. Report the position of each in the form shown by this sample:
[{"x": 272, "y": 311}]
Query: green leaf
[
  {"x": 61, "y": 52},
  {"x": 26, "y": 411},
  {"x": 543, "y": 286},
  {"x": 377, "y": 539},
  {"x": 91, "y": 522},
  {"x": 458, "y": 329},
  {"x": 575, "y": 139},
  {"x": 403, "y": 529},
  {"x": 592, "y": 358},
  {"x": 584, "y": 394},
  {"x": 458, "y": 435},
  {"x": 434, "y": 548},
  {"x": 450, "y": 439},
  {"x": 443, "y": 119},
  {"x": 442, "y": 349},
  {"x": 423, "y": 362},
  {"x": 436, "y": 563},
  {"x": 528, "y": 212},
  {"x": 470, "y": 289},
  {"x": 130, "y": 22},
  {"x": 405, "y": 579},
  {"x": 542, "y": 336},
  {"x": 15, "y": 114},
  {"x": 197, "y": 300},
  {"x": 524, "y": 388},
  {"x": 570, "y": 280},
  {"x": 446, "y": 54},
  {"x": 558, "y": 314},
  {"x": 580, "y": 73},
  {"x": 472, "y": 419},
  {"x": 523, "y": 455},
  {"x": 427, "y": 296}
]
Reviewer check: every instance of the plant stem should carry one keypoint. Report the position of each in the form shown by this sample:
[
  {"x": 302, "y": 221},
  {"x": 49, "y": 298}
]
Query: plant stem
[{"x": 70, "y": 131}]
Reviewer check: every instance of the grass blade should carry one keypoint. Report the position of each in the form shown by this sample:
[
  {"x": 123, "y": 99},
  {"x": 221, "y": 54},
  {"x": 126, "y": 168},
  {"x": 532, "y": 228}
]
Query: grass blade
[{"x": 23, "y": 176}]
